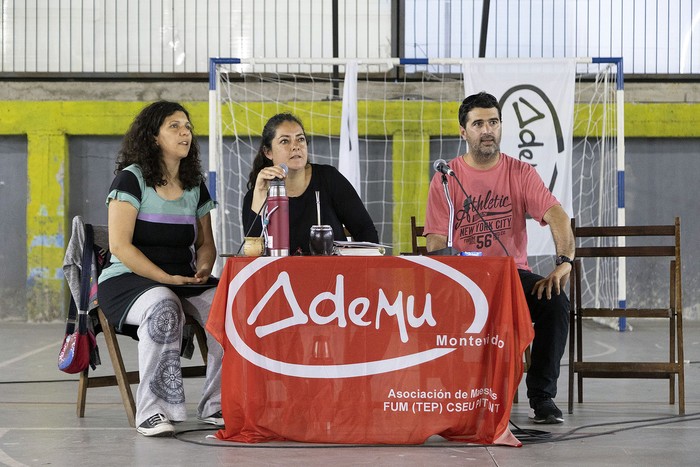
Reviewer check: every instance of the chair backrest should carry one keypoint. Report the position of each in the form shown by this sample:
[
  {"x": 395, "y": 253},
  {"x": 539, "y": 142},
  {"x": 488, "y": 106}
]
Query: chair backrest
[
  {"x": 671, "y": 248},
  {"x": 417, "y": 232},
  {"x": 649, "y": 241}
]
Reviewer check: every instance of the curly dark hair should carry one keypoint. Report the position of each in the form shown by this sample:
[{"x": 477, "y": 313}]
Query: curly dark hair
[
  {"x": 139, "y": 147},
  {"x": 260, "y": 161},
  {"x": 482, "y": 100}
]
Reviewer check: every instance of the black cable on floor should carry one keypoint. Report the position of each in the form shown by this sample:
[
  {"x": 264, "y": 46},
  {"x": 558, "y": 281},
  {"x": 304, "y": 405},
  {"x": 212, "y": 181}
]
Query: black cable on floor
[
  {"x": 302, "y": 445},
  {"x": 570, "y": 435},
  {"x": 524, "y": 435},
  {"x": 528, "y": 434}
]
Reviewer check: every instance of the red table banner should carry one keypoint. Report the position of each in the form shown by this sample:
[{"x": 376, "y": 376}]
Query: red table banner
[{"x": 369, "y": 350}]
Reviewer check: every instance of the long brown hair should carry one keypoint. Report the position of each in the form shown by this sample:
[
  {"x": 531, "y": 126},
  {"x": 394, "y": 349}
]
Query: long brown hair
[{"x": 139, "y": 147}]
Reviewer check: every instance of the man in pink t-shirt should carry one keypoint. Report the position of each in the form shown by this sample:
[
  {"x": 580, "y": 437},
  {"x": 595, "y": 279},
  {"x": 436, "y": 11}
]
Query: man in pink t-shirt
[{"x": 502, "y": 192}]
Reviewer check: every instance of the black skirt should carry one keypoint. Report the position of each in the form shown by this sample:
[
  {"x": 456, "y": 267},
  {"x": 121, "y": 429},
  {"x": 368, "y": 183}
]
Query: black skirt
[{"x": 117, "y": 294}]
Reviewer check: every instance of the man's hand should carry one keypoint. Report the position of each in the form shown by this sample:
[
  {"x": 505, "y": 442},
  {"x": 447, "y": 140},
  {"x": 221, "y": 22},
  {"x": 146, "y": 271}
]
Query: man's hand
[
  {"x": 435, "y": 242},
  {"x": 556, "y": 280}
]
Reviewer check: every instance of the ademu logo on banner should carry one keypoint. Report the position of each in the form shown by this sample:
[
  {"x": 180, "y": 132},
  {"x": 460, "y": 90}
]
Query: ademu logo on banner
[
  {"x": 539, "y": 133},
  {"x": 405, "y": 326}
]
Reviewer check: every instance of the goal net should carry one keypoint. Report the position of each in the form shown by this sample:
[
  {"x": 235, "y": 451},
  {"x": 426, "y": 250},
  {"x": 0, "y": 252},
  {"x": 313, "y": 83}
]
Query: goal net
[{"x": 407, "y": 118}]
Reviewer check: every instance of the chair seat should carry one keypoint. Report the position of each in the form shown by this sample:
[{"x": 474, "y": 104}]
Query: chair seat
[
  {"x": 650, "y": 370},
  {"x": 626, "y": 313}
]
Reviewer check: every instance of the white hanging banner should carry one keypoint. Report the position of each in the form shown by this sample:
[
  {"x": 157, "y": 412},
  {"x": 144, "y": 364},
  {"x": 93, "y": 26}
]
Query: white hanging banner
[
  {"x": 349, "y": 154},
  {"x": 537, "y": 103}
]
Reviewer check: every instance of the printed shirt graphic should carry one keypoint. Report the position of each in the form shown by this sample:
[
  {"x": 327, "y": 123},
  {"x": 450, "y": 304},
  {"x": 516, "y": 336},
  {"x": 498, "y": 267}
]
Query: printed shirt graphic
[{"x": 504, "y": 195}]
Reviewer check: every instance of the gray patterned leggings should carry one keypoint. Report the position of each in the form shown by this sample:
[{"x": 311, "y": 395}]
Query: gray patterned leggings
[{"x": 158, "y": 313}]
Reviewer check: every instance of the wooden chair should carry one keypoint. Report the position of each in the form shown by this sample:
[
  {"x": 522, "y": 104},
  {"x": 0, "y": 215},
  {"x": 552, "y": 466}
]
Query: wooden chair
[
  {"x": 122, "y": 378},
  {"x": 416, "y": 233},
  {"x": 662, "y": 242}
]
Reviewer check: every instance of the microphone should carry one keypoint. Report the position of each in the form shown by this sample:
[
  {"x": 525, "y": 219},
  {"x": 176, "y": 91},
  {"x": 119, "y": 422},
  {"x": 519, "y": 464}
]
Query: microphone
[
  {"x": 441, "y": 166},
  {"x": 284, "y": 167}
]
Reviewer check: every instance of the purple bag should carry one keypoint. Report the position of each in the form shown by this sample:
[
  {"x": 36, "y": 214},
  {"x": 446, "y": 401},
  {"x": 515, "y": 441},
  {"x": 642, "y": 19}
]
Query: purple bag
[{"x": 79, "y": 348}]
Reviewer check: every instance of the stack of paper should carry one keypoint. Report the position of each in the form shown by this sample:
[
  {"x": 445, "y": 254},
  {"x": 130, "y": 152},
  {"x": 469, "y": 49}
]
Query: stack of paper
[{"x": 359, "y": 248}]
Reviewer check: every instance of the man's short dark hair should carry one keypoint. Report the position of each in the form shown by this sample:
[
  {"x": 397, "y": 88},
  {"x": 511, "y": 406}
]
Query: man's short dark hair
[{"x": 482, "y": 100}]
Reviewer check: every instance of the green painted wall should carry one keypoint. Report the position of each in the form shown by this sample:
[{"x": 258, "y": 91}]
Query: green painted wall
[{"x": 48, "y": 124}]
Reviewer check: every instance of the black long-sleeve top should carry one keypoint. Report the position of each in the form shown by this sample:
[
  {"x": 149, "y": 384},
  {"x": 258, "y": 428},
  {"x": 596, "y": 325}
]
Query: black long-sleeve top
[{"x": 340, "y": 206}]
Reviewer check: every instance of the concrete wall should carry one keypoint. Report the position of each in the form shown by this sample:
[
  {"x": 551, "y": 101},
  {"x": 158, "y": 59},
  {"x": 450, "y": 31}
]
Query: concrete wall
[{"x": 50, "y": 114}]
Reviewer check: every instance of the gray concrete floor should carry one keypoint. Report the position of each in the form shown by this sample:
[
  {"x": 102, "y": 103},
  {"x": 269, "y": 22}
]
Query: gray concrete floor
[{"x": 621, "y": 422}]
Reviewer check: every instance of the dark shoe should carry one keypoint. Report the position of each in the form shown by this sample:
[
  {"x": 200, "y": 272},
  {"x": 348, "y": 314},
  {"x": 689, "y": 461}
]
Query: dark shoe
[
  {"x": 546, "y": 411},
  {"x": 156, "y": 425},
  {"x": 213, "y": 419}
]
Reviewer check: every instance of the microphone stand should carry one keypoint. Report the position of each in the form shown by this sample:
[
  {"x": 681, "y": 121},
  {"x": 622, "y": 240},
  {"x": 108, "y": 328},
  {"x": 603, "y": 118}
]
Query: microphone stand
[{"x": 448, "y": 250}]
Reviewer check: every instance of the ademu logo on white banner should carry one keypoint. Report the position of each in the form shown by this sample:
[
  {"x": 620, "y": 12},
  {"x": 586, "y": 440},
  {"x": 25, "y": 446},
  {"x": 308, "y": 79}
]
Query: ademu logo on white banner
[{"x": 539, "y": 133}]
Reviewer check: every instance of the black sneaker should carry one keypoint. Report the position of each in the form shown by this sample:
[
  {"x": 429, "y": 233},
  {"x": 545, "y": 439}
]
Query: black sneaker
[
  {"x": 214, "y": 419},
  {"x": 156, "y": 425},
  {"x": 546, "y": 411}
]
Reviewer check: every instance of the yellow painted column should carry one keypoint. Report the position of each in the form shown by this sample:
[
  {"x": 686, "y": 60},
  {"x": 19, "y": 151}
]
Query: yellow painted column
[
  {"x": 47, "y": 125},
  {"x": 411, "y": 159},
  {"x": 46, "y": 163}
]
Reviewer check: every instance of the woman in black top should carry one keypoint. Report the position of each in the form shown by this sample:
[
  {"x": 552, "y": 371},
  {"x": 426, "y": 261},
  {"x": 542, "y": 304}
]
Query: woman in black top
[{"x": 284, "y": 141}]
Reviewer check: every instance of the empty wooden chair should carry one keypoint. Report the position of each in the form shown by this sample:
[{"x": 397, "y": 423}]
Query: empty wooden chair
[{"x": 662, "y": 242}]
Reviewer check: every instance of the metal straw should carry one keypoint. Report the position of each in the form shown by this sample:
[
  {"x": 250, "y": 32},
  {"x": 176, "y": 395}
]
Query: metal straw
[{"x": 318, "y": 208}]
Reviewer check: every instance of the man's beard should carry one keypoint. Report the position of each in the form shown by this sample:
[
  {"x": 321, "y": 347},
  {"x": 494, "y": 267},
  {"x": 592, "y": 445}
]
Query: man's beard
[{"x": 484, "y": 156}]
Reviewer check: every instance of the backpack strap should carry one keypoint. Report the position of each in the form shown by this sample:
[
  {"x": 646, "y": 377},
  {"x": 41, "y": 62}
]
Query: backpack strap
[{"x": 85, "y": 273}]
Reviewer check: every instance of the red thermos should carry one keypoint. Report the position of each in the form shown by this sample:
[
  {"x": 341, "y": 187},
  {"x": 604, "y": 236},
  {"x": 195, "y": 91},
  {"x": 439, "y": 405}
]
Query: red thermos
[{"x": 278, "y": 227}]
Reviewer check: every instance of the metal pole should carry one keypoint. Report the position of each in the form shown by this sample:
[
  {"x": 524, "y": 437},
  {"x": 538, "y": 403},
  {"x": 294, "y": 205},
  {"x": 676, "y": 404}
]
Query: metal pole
[
  {"x": 484, "y": 28},
  {"x": 397, "y": 32},
  {"x": 336, "y": 74}
]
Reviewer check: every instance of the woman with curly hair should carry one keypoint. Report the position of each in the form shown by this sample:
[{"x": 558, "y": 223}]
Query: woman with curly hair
[{"x": 162, "y": 254}]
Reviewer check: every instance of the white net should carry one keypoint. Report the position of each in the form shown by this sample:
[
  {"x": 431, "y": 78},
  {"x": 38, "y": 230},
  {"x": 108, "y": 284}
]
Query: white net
[
  {"x": 404, "y": 122},
  {"x": 407, "y": 118},
  {"x": 597, "y": 154}
]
